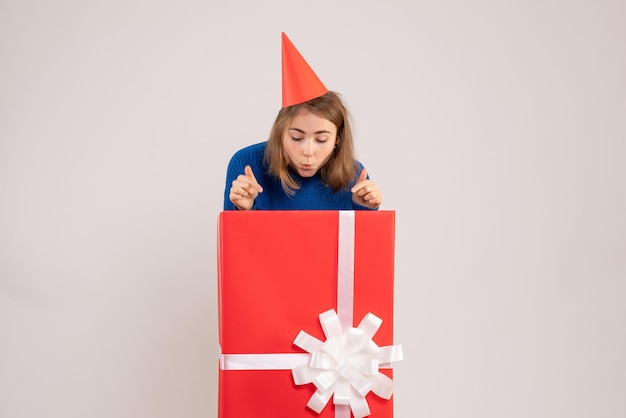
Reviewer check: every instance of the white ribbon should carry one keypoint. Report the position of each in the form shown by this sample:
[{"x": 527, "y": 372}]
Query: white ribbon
[
  {"x": 278, "y": 361},
  {"x": 345, "y": 366},
  {"x": 345, "y": 268}
]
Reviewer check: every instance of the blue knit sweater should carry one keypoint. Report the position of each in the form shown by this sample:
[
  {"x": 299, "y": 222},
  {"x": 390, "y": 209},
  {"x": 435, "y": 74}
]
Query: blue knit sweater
[{"x": 312, "y": 194}]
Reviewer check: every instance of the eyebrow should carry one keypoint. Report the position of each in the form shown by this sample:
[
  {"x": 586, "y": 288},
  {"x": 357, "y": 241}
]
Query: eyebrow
[{"x": 302, "y": 132}]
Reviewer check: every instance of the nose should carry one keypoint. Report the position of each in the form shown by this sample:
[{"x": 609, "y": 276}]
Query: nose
[{"x": 307, "y": 148}]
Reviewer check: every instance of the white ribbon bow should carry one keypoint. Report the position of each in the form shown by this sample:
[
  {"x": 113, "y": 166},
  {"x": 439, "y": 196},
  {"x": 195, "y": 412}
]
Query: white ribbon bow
[{"x": 346, "y": 365}]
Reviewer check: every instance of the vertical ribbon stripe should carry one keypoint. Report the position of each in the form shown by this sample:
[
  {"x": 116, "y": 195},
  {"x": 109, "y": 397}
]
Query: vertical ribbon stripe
[{"x": 345, "y": 269}]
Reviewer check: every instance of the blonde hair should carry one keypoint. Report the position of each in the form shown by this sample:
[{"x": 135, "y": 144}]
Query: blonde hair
[{"x": 340, "y": 169}]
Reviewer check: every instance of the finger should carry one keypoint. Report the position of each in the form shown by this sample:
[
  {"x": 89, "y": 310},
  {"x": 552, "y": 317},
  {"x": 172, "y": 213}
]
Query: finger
[
  {"x": 362, "y": 189},
  {"x": 362, "y": 177},
  {"x": 375, "y": 202},
  {"x": 235, "y": 196},
  {"x": 240, "y": 186},
  {"x": 239, "y": 194},
  {"x": 373, "y": 199},
  {"x": 249, "y": 173},
  {"x": 369, "y": 191},
  {"x": 240, "y": 202}
]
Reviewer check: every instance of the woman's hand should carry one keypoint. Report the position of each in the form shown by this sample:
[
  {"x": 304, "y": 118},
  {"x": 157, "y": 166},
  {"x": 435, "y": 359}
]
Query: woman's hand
[
  {"x": 366, "y": 193},
  {"x": 244, "y": 190}
]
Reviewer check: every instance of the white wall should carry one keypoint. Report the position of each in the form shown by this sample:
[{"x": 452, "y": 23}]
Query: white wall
[{"x": 495, "y": 129}]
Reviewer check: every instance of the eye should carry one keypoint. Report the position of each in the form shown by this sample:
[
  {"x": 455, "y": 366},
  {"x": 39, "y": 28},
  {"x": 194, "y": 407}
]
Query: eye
[
  {"x": 293, "y": 138},
  {"x": 321, "y": 140}
]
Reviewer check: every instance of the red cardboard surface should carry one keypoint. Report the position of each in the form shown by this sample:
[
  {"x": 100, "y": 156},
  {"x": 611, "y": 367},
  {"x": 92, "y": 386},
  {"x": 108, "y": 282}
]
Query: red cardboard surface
[{"x": 277, "y": 271}]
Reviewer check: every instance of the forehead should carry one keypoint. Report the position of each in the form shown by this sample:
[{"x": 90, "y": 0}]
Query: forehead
[{"x": 308, "y": 121}]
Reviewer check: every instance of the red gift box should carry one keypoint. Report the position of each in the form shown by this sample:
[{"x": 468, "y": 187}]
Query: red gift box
[{"x": 277, "y": 272}]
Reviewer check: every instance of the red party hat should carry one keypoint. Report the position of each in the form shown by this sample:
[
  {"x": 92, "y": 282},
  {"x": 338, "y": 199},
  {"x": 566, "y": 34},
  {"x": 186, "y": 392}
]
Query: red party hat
[{"x": 300, "y": 83}]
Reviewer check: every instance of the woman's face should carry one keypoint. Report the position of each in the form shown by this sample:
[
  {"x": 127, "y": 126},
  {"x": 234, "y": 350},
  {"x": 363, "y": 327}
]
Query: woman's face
[{"x": 309, "y": 142}]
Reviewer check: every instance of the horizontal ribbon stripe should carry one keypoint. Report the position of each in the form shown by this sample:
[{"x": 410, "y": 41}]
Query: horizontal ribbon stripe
[{"x": 278, "y": 361}]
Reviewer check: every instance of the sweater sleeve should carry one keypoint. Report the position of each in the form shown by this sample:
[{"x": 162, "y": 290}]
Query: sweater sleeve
[
  {"x": 228, "y": 205},
  {"x": 252, "y": 156}
]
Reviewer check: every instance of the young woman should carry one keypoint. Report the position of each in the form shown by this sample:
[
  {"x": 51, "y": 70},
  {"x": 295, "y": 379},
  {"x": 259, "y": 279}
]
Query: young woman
[{"x": 308, "y": 161}]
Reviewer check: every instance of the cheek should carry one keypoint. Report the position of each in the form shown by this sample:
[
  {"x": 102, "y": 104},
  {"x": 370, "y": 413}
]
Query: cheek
[
  {"x": 289, "y": 149},
  {"x": 326, "y": 151}
]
